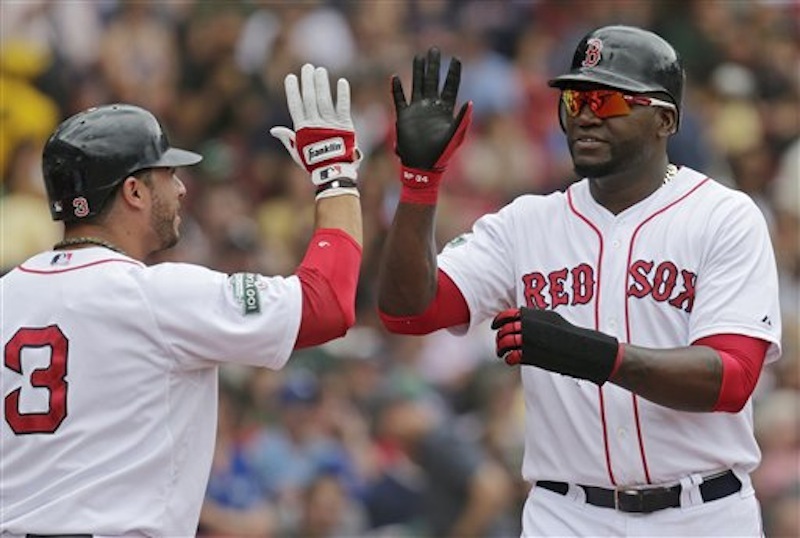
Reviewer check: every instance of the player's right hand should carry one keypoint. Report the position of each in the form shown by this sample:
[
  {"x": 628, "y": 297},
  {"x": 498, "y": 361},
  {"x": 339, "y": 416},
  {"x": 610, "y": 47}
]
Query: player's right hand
[
  {"x": 427, "y": 133},
  {"x": 543, "y": 338},
  {"x": 323, "y": 140}
]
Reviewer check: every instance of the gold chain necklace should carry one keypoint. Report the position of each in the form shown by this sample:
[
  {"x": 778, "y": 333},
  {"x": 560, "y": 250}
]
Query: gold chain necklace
[{"x": 88, "y": 241}]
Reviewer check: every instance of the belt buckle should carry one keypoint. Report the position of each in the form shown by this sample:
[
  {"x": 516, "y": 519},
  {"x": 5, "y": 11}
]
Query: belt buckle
[{"x": 623, "y": 497}]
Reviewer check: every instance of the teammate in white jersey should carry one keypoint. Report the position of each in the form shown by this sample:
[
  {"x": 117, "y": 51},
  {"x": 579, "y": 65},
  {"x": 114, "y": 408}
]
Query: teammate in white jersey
[
  {"x": 642, "y": 302},
  {"x": 109, "y": 374}
]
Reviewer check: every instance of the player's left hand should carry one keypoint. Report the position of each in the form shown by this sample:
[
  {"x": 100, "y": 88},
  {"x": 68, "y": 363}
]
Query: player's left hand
[
  {"x": 323, "y": 140},
  {"x": 545, "y": 339},
  {"x": 427, "y": 133}
]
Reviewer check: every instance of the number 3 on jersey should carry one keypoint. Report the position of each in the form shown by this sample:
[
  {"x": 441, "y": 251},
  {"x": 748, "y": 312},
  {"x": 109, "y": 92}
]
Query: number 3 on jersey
[{"x": 50, "y": 378}]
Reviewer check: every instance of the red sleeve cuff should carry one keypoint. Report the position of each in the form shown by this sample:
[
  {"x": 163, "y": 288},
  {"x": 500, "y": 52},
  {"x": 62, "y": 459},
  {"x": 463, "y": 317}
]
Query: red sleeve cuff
[
  {"x": 742, "y": 360},
  {"x": 329, "y": 278},
  {"x": 448, "y": 309}
]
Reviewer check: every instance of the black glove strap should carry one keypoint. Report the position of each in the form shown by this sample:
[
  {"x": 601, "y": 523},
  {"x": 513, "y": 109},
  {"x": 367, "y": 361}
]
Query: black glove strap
[{"x": 552, "y": 343}]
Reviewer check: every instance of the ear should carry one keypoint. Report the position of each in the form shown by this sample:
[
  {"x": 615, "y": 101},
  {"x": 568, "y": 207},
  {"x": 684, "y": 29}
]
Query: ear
[
  {"x": 667, "y": 122},
  {"x": 133, "y": 192}
]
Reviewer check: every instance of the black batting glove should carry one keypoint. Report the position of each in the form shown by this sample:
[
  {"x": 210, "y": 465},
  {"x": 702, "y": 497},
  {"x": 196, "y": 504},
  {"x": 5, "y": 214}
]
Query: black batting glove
[
  {"x": 427, "y": 133},
  {"x": 545, "y": 339}
]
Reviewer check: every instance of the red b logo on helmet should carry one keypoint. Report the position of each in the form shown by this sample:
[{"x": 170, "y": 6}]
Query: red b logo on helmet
[{"x": 594, "y": 48}]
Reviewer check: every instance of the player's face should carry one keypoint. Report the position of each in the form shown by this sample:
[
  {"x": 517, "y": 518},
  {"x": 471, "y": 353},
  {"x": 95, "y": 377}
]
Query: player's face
[
  {"x": 167, "y": 190},
  {"x": 605, "y": 146}
]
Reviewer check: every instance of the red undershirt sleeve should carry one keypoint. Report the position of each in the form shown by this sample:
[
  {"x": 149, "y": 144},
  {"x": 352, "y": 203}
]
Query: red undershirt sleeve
[
  {"x": 742, "y": 360},
  {"x": 448, "y": 309},
  {"x": 328, "y": 278}
]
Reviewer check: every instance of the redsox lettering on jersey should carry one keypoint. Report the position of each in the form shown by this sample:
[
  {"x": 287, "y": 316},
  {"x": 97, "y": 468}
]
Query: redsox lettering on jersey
[{"x": 663, "y": 281}]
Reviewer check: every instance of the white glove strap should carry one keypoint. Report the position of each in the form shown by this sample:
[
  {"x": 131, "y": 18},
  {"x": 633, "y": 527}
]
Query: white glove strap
[
  {"x": 338, "y": 191},
  {"x": 337, "y": 187}
]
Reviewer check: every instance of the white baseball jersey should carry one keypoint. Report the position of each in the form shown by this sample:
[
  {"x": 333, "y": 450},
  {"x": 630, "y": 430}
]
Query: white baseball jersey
[
  {"x": 109, "y": 386},
  {"x": 691, "y": 260}
]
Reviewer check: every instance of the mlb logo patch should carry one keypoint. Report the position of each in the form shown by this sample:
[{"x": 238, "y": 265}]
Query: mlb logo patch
[
  {"x": 62, "y": 258},
  {"x": 330, "y": 172}
]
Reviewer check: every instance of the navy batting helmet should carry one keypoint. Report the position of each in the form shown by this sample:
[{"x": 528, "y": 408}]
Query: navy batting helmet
[
  {"x": 92, "y": 152},
  {"x": 626, "y": 58}
]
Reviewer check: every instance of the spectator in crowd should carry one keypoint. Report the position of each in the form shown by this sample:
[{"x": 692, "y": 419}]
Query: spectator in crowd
[{"x": 463, "y": 491}]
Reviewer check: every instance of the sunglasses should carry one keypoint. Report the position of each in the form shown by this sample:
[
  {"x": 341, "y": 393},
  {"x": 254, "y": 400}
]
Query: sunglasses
[{"x": 606, "y": 103}]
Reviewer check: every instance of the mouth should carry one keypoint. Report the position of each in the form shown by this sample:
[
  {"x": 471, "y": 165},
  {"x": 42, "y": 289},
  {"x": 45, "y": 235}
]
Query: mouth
[{"x": 587, "y": 143}]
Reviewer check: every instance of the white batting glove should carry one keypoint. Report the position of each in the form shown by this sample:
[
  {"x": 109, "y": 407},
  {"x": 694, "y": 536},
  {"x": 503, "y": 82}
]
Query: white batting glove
[{"x": 324, "y": 139}]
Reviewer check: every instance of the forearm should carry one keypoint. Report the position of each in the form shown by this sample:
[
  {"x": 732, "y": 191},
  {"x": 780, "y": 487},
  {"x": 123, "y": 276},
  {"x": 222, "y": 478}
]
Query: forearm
[
  {"x": 342, "y": 212},
  {"x": 329, "y": 279},
  {"x": 408, "y": 271},
  {"x": 427, "y": 136},
  {"x": 686, "y": 378},
  {"x": 717, "y": 373}
]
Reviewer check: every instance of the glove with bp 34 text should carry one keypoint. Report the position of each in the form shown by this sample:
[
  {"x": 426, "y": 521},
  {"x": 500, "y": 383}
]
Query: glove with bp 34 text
[{"x": 427, "y": 133}]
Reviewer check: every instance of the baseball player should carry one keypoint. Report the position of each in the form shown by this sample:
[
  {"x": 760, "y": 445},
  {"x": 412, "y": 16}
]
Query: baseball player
[
  {"x": 109, "y": 374},
  {"x": 641, "y": 303}
]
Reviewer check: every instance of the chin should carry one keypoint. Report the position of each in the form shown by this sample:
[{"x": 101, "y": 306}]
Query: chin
[
  {"x": 168, "y": 239},
  {"x": 597, "y": 169}
]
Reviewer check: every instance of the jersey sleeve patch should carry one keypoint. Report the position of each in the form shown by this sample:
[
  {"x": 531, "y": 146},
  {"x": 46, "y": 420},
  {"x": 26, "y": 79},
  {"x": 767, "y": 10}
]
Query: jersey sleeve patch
[
  {"x": 245, "y": 288},
  {"x": 458, "y": 241}
]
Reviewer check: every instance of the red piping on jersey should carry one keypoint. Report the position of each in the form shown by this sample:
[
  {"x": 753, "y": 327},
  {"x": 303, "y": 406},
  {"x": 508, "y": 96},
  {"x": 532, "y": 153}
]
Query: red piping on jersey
[
  {"x": 68, "y": 269},
  {"x": 635, "y": 400},
  {"x": 596, "y": 327}
]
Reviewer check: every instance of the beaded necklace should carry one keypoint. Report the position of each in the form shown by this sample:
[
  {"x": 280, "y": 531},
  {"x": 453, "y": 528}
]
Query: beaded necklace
[
  {"x": 671, "y": 171},
  {"x": 88, "y": 241}
]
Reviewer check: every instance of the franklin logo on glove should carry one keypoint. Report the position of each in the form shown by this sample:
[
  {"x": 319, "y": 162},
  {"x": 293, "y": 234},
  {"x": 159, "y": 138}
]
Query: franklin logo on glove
[{"x": 324, "y": 150}]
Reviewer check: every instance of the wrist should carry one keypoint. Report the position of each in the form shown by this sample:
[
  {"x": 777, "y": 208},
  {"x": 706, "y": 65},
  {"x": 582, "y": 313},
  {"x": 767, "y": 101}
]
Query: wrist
[
  {"x": 551, "y": 342},
  {"x": 617, "y": 361},
  {"x": 420, "y": 186},
  {"x": 337, "y": 171},
  {"x": 337, "y": 187}
]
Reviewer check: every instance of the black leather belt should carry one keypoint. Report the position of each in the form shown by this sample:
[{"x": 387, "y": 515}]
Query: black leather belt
[{"x": 650, "y": 499}]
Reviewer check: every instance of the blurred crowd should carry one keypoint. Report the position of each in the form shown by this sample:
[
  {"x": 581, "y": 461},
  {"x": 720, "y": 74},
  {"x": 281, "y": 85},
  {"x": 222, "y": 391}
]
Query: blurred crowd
[{"x": 374, "y": 434}]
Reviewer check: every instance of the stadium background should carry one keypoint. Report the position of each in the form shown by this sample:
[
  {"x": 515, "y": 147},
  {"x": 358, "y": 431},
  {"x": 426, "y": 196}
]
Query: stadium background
[{"x": 315, "y": 450}]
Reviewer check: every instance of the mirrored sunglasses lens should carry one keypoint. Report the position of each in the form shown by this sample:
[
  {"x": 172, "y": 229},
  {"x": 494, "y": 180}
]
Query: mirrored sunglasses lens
[
  {"x": 572, "y": 102},
  {"x": 607, "y": 104},
  {"x": 603, "y": 103}
]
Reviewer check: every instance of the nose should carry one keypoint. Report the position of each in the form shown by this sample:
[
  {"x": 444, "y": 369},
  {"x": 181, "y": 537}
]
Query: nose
[
  {"x": 585, "y": 118},
  {"x": 586, "y": 114},
  {"x": 180, "y": 185}
]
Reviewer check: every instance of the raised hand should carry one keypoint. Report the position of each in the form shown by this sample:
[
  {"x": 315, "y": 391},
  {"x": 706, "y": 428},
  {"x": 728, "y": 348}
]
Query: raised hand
[
  {"x": 427, "y": 132},
  {"x": 323, "y": 140}
]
